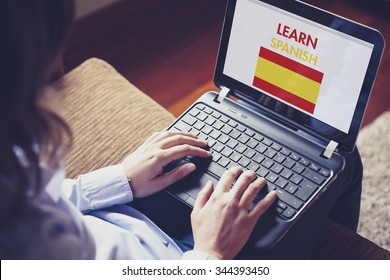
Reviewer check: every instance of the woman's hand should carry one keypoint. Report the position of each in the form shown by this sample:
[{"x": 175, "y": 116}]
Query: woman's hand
[
  {"x": 144, "y": 167},
  {"x": 221, "y": 221}
]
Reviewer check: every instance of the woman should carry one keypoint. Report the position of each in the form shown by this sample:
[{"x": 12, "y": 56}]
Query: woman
[
  {"x": 43, "y": 216},
  {"x": 32, "y": 209}
]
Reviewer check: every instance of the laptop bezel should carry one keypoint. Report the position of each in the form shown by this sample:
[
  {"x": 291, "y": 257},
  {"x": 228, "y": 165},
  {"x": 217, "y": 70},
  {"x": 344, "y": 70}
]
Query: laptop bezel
[{"x": 303, "y": 121}]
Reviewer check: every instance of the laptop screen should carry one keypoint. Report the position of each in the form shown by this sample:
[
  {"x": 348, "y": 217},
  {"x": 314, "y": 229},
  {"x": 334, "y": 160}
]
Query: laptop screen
[{"x": 308, "y": 71}]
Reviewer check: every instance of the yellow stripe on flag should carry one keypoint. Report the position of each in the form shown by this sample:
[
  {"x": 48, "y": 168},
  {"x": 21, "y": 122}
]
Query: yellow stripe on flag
[{"x": 287, "y": 80}]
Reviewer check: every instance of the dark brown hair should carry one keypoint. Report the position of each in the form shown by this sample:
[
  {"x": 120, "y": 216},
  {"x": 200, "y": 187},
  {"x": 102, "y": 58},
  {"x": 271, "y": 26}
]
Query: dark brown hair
[{"x": 32, "y": 34}]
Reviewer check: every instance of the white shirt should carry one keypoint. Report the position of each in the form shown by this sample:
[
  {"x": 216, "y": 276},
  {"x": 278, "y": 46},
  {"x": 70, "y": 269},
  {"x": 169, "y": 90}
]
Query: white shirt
[{"x": 119, "y": 232}]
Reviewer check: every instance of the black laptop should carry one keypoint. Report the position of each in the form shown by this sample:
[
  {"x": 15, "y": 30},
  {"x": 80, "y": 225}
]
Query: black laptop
[{"x": 295, "y": 81}]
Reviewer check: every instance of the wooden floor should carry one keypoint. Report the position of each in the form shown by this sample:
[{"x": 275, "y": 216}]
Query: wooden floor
[{"x": 168, "y": 48}]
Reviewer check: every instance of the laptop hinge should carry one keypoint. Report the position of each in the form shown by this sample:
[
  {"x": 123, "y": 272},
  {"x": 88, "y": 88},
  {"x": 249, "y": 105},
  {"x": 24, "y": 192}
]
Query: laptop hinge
[
  {"x": 222, "y": 94},
  {"x": 329, "y": 150}
]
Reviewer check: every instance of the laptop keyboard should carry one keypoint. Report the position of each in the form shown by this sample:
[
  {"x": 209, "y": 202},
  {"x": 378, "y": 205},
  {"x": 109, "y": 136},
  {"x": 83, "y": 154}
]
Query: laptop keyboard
[{"x": 294, "y": 177}]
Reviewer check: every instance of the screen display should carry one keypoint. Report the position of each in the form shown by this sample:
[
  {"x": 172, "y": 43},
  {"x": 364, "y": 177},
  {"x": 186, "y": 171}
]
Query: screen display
[{"x": 310, "y": 67}]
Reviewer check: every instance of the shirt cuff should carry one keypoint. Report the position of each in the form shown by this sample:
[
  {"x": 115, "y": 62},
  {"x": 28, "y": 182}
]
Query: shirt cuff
[
  {"x": 106, "y": 187},
  {"x": 198, "y": 255}
]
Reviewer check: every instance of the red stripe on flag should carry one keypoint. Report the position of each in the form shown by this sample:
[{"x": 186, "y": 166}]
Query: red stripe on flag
[
  {"x": 284, "y": 95},
  {"x": 291, "y": 65}
]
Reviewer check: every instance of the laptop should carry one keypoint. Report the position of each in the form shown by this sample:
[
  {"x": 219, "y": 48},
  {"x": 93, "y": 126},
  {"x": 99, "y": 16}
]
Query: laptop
[{"x": 295, "y": 81}]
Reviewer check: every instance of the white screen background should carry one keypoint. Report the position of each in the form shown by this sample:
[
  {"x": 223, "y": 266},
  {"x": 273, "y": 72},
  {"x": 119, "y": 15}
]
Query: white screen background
[{"x": 343, "y": 60}]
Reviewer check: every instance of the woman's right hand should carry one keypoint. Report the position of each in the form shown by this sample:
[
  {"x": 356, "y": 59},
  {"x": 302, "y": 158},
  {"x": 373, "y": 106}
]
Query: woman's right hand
[{"x": 221, "y": 221}]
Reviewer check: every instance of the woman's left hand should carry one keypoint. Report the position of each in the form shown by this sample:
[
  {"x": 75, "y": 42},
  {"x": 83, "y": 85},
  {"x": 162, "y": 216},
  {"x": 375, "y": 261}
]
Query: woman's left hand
[{"x": 144, "y": 167}]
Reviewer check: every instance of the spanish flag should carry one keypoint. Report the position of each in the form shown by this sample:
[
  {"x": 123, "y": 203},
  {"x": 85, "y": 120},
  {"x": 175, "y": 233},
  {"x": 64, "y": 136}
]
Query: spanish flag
[{"x": 288, "y": 80}]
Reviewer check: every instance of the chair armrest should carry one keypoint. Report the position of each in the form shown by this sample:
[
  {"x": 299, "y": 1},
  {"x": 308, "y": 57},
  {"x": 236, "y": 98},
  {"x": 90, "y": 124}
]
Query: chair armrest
[{"x": 109, "y": 117}]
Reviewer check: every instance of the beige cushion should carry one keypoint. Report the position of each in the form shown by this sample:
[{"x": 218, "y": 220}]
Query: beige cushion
[{"x": 109, "y": 116}]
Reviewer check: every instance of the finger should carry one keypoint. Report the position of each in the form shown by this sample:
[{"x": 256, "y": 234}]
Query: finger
[
  {"x": 181, "y": 151},
  {"x": 167, "y": 134},
  {"x": 263, "y": 205},
  {"x": 250, "y": 193},
  {"x": 178, "y": 139},
  {"x": 242, "y": 183},
  {"x": 164, "y": 180},
  {"x": 203, "y": 196},
  {"x": 227, "y": 179}
]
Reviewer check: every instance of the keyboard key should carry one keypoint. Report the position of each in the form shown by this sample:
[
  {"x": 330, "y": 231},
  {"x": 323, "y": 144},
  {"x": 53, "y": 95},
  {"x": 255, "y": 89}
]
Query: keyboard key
[
  {"x": 211, "y": 142},
  {"x": 262, "y": 172},
  {"x": 202, "y": 136},
  {"x": 199, "y": 125},
  {"x": 258, "y": 137},
  {"x": 313, "y": 176},
  {"x": 235, "y": 134},
  {"x": 202, "y": 116},
  {"x": 267, "y": 163},
  {"x": 285, "y": 152},
  {"x": 224, "y": 119},
  {"x": 289, "y": 199},
  {"x": 240, "y": 148},
  {"x": 261, "y": 148},
  {"x": 249, "y": 132},
  {"x": 277, "y": 168},
  {"x": 218, "y": 147},
  {"x": 182, "y": 126},
  {"x": 270, "y": 153},
  {"x": 189, "y": 120},
  {"x": 324, "y": 172},
  {"x": 241, "y": 128},
  {"x": 216, "y": 157},
  {"x": 281, "y": 204},
  {"x": 215, "y": 134},
  {"x": 288, "y": 213},
  {"x": 223, "y": 162},
  {"x": 267, "y": 142},
  {"x": 244, "y": 162},
  {"x": 296, "y": 179},
  {"x": 289, "y": 163},
  {"x": 200, "y": 106},
  {"x": 258, "y": 158},
  {"x": 232, "y": 143},
  {"x": 227, "y": 152},
  {"x": 286, "y": 173},
  {"x": 208, "y": 111},
  {"x": 194, "y": 112},
  {"x": 276, "y": 147},
  {"x": 216, "y": 115},
  {"x": 272, "y": 177},
  {"x": 304, "y": 161},
  {"x": 281, "y": 182},
  {"x": 235, "y": 157},
  {"x": 207, "y": 129},
  {"x": 243, "y": 138},
  {"x": 314, "y": 167},
  {"x": 216, "y": 169},
  {"x": 298, "y": 168},
  {"x": 232, "y": 123},
  {"x": 294, "y": 156},
  {"x": 223, "y": 139},
  {"x": 218, "y": 125},
  {"x": 252, "y": 143},
  {"x": 249, "y": 153},
  {"x": 253, "y": 166},
  {"x": 226, "y": 129},
  {"x": 279, "y": 158},
  {"x": 210, "y": 121},
  {"x": 291, "y": 188},
  {"x": 306, "y": 190}
]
